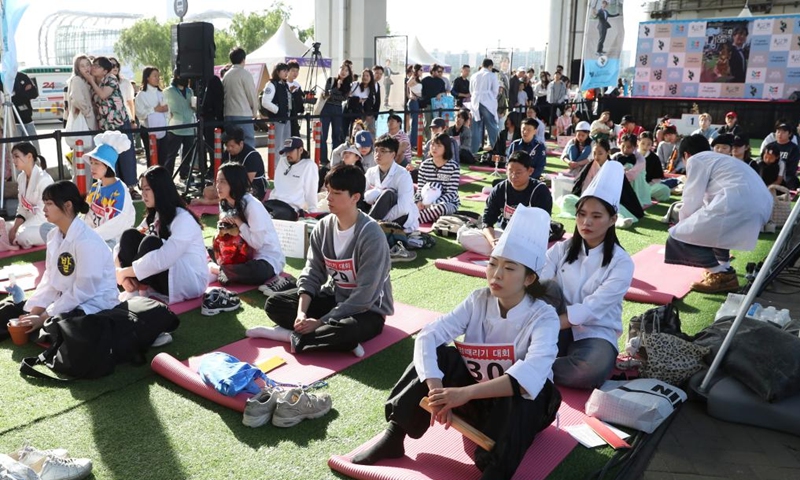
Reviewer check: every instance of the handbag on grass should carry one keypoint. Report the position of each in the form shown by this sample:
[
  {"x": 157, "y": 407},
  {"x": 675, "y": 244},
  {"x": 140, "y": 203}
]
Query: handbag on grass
[{"x": 641, "y": 404}]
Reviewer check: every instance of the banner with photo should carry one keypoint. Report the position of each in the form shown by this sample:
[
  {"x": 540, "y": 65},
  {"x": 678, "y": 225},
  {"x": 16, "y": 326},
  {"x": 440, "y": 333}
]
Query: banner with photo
[
  {"x": 391, "y": 52},
  {"x": 754, "y": 58},
  {"x": 604, "y": 34}
]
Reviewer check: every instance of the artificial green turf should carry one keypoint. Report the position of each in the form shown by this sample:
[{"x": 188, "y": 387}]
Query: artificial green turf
[{"x": 136, "y": 425}]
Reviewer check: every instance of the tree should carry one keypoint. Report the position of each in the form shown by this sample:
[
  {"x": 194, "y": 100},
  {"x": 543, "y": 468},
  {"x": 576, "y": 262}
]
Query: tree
[
  {"x": 253, "y": 30},
  {"x": 145, "y": 43},
  {"x": 305, "y": 34},
  {"x": 224, "y": 43}
]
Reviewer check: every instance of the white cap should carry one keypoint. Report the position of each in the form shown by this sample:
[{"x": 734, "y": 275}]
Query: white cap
[
  {"x": 607, "y": 184},
  {"x": 583, "y": 127},
  {"x": 524, "y": 239}
]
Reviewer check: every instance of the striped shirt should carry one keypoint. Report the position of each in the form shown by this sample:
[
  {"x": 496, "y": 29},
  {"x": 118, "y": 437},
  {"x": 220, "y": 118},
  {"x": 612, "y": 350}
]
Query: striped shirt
[
  {"x": 401, "y": 137},
  {"x": 447, "y": 178}
]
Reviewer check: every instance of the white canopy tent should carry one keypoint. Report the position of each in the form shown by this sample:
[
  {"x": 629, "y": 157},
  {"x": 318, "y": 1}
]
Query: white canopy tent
[{"x": 418, "y": 54}]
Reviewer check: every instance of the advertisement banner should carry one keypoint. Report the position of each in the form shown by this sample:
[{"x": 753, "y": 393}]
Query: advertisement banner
[
  {"x": 738, "y": 58},
  {"x": 604, "y": 34}
]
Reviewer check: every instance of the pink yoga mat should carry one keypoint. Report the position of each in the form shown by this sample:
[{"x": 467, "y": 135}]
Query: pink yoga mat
[
  {"x": 28, "y": 275},
  {"x": 425, "y": 227},
  {"x": 191, "y": 304},
  {"x": 657, "y": 282},
  {"x": 444, "y": 453},
  {"x": 305, "y": 368},
  {"x": 477, "y": 197},
  {"x": 201, "y": 210},
  {"x": 482, "y": 168},
  {"x": 470, "y": 263},
  {"x": 14, "y": 253},
  {"x": 465, "y": 179}
]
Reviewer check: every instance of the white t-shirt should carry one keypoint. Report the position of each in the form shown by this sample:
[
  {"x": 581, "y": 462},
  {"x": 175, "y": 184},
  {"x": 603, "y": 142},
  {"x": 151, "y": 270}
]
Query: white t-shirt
[{"x": 341, "y": 239}]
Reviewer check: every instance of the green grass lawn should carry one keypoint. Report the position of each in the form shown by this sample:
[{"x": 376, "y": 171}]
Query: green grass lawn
[{"x": 136, "y": 425}]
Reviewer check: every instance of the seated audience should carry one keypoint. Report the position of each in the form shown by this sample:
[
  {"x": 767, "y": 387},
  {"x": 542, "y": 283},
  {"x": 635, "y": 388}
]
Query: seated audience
[
  {"x": 530, "y": 145},
  {"x": 30, "y": 227},
  {"x": 577, "y": 151},
  {"x": 390, "y": 191},
  {"x": 296, "y": 181},
  {"x": 438, "y": 179}
]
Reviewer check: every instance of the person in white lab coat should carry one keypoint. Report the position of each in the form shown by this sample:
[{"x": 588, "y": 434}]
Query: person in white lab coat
[
  {"x": 111, "y": 209},
  {"x": 498, "y": 378},
  {"x": 593, "y": 273},
  {"x": 725, "y": 204},
  {"x": 29, "y": 227},
  {"x": 165, "y": 257},
  {"x": 79, "y": 271},
  {"x": 390, "y": 190}
]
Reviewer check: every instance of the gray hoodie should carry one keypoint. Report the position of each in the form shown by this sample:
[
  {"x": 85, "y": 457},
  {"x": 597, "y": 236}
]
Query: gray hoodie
[{"x": 370, "y": 253}]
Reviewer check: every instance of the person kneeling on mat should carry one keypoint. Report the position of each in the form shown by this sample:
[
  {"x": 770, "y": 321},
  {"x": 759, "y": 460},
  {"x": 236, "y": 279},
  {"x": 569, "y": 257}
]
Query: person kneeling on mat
[
  {"x": 725, "y": 204},
  {"x": 390, "y": 191},
  {"x": 588, "y": 277},
  {"x": 296, "y": 182},
  {"x": 344, "y": 292},
  {"x": 79, "y": 271},
  {"x": 519, "y": 189},
  {"x": 508, "y": 393}
]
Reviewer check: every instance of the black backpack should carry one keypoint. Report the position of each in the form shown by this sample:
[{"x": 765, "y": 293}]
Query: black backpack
[{"x": 90, "y": 346}]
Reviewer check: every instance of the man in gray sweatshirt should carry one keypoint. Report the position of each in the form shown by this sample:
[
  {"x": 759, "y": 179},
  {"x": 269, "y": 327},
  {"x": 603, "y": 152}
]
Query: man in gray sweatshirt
[{"x": 344, "y": 292}]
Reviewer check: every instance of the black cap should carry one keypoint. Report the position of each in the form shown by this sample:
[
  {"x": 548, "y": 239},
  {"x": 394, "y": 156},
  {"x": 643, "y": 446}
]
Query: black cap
[
  {"x": 724, "y": 139},
  {"x": 628, "y": 118},
  {"x": 291, "y": 143},
  {"x": 739, "y": 141}
]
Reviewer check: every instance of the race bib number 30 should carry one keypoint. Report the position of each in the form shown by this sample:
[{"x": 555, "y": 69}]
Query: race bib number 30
[
  {"x": 342, "y": 271},
  {"x": 486, "y": 361}
]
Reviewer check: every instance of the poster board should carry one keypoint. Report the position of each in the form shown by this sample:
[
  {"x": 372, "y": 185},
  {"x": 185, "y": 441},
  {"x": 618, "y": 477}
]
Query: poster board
[{"x": 293, "y": 237}]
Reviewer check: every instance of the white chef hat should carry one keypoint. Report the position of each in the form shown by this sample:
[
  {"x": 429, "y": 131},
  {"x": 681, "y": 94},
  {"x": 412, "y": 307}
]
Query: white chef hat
[
  {"x": 607, "y": 184},
  {"x": 524, "y": 239}
]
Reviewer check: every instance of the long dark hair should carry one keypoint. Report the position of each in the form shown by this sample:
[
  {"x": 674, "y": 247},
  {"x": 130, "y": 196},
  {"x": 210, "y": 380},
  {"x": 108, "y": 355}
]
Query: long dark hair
[
  {"x": 370, "y": 84},
  {"x": 238, "y": 181},
  {"x": 64, "y": 191},
  {"x": 146, "y": 74},
  {"x": 536, "y": 290},
  {"x": 276, "y": 77},
  {"x": 27, "y": 148},
  {"x": 166, "y": 199},
  {"x": 610, "y": 240}
]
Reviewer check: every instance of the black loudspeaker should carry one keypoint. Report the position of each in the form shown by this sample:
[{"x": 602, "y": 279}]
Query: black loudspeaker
[
  {"x": 795, "y": 97},
  {"x": 194, "y": 49},
  {"x": 575, "y": 72}
]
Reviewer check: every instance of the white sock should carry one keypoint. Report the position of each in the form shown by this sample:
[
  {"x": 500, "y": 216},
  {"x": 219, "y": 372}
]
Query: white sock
[
  {"x": 717, "y": 269},
  {"x": 725, "y": 265},
  {"x": 358, "y": 351},
  {"x": 279, "y": 334}
]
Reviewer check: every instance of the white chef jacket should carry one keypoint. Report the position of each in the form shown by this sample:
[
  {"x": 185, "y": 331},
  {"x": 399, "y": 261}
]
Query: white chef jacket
[
  {"x": 593, "y": 293},
  {"x": 31, "y": 205},
  {"x": 183, "y": 254},
  {"x": 484, "y": 88},
  {"x": 532, "y": 326},
  {"x": 79, "y": 272},
  {"x": 399, "y": 180},
  {"x": 725, "y": 203},
  {"x": 296, "y": 184},
  {"x": 260, "y": 235}
]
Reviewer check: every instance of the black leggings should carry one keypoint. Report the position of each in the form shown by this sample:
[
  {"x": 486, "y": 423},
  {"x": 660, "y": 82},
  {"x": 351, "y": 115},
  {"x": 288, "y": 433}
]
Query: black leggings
[
  {"x": 512, "y": 422},
  {"x": 134, "y": 245},
  {"x": 341, "y": 335}
]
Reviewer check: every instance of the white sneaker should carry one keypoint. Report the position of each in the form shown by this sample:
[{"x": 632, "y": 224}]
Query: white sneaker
[
  {"x": 624, "y": 223},
  {"x": 296, "y": 405},
  {"x": 29, "y": 455},
  {"x": 398, "y": 253},
  {"x": 162, "y": 339},
  {"x": 259, "y": 408},
  {"x": 358, "y": 351},
  {"x": 57, "y": 468}
]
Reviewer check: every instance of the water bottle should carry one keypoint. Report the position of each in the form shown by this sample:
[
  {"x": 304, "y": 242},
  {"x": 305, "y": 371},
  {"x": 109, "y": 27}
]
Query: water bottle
[
  {"x": 730, "y": 307},
  {"x": 769, "y": 314},
  {"x": 783, "y": 318},
  {"x": 755, "y": 311}
]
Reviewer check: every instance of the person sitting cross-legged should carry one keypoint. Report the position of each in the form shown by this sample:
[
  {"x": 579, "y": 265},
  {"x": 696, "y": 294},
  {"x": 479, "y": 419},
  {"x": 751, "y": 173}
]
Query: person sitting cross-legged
[{"x": 390, "y": 191}]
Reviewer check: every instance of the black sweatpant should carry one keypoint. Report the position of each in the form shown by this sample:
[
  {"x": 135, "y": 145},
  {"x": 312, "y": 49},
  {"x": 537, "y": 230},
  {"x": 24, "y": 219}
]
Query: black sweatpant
[
  {"x": 251, "y": 272},
  {"x": 134, "y": 245},
  {"x": 512, "y": 422},
  {"x": 340, "y": 335}
]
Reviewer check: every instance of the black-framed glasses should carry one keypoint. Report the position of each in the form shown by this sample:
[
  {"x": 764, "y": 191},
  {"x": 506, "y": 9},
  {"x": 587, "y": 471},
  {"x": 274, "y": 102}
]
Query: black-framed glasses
[{"x": 383, "y": 151}]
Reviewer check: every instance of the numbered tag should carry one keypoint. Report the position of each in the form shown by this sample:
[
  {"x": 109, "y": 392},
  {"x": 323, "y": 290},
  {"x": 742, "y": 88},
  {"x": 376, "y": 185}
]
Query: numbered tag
[
  {"x": 486, "y": 361},
  {"x": 342, "y": 271},
  {"x": 508, "y": 211}
]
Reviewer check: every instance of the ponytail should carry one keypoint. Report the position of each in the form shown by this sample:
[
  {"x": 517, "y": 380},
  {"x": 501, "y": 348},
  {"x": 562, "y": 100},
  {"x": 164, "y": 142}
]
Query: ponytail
[
  {"x": 40, "y": 160},
  {"x": 536, "y": 290},
  {"x": 27, "y": 148}
]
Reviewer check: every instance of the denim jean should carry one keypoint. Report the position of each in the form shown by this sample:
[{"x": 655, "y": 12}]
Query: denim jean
[
  {"x": 413, "y": 108},
  {"x": 249, "y": 129},
  {"x": 331, "y": 114}
]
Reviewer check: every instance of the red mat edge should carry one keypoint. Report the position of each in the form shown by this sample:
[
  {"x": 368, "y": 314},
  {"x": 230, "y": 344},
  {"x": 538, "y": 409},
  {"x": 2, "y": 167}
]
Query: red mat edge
[{"x": 14, "y": 253}]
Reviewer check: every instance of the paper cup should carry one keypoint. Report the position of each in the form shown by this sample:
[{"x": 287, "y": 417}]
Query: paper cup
[{"x": 18, "y": 335}]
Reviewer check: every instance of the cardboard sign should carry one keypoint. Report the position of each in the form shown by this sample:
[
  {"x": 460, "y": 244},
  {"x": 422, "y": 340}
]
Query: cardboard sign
[{"x": 293, "y": 237}]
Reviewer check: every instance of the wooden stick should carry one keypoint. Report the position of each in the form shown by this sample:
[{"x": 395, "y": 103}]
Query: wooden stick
[{"x": 464, "y": 428}]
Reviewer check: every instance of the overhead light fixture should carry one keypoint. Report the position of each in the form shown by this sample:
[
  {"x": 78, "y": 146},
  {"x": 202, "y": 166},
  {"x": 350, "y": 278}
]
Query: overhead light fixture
[{"x": 746, "y": 10}]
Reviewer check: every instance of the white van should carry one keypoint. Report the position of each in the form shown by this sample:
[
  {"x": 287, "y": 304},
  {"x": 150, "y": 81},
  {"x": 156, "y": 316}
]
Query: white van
[{"x": 52, "y": 84}]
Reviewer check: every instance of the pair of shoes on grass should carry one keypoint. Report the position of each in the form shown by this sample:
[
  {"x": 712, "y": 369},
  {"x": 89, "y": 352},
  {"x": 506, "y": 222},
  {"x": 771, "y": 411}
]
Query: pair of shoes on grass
[
  {"x": 51, "y": 464},
  {"x": 285, "y": 408},
  {"x": 717, "y": 282}
]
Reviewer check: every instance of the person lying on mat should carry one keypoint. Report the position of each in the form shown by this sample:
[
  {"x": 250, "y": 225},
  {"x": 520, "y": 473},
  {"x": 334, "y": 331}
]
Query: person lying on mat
[
  {"x": 389, "y": 192},
  {"x": 590, "y": 274},
  {"x": 246, "y": 249},
  {"x": 111, "y": 209},
  {"x": 79, "y": 271},
  {"x": 296, "y": 183},
  {"x": 437, "y": 183},
  {"x": 725, "y": 204},
  {"x": 344, "y": 293},
  {"x": 29, "y": 227},
  {"x": 630, "y": 210},
  {"x": 165, "y": 257},
  {"x": 529, "y": 144},
  {"x": 519, "y": 189},
  {"x": 499, "y": 377}
]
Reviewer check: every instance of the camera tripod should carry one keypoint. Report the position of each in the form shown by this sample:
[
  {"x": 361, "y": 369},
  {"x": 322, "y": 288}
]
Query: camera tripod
[
  {"x": 199, "y": 147},
  {"x": 316, "y": 65}
]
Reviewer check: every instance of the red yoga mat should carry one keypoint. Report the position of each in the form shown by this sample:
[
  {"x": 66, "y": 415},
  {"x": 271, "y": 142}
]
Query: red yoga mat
[
  {"x": 28, "y": 275},
  {"x": 191, "y": 304},
  {"x": 444, "y": 453},
  {"x": 14, "y": 253},
  {"x": 483, "y": 168},
  {"x": 465, "y": 179},
  {"x": 305, "y": 368},
  {"x": 470, "y": 263},
  {"x": 477, "y": 197},
  {"x": 657, "y": 282},
  {"x": 425, "y": 227},
  {"x": 201, "y": 210}
]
